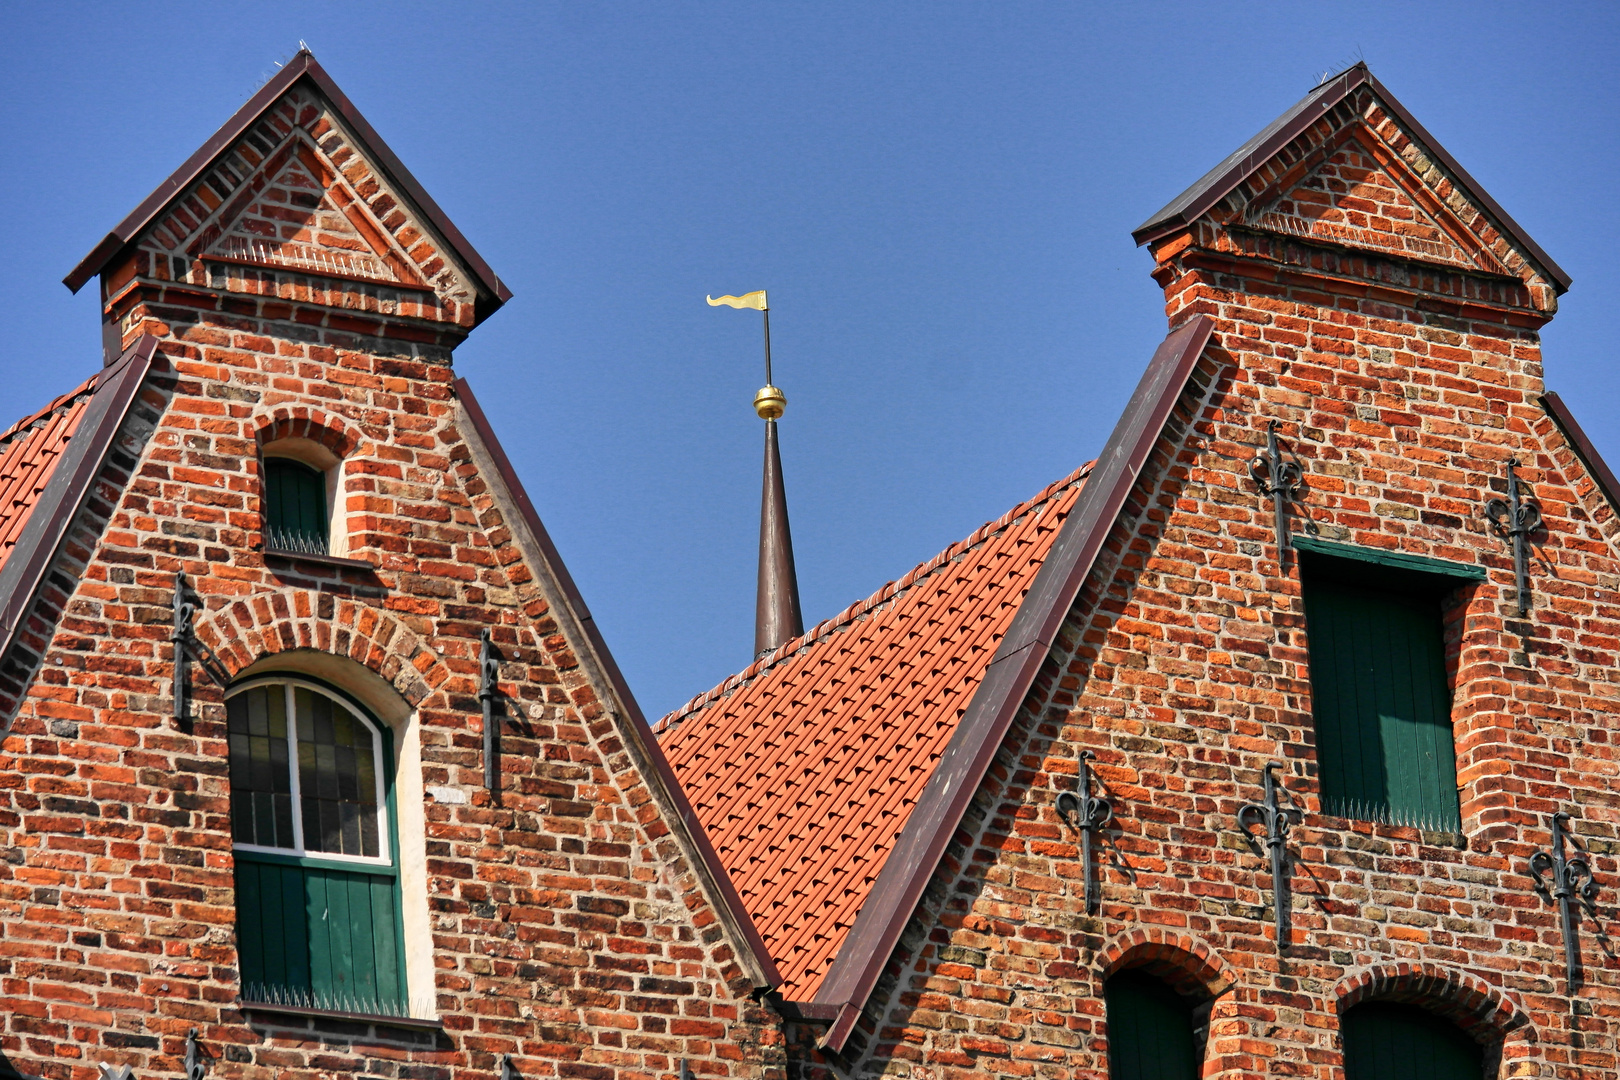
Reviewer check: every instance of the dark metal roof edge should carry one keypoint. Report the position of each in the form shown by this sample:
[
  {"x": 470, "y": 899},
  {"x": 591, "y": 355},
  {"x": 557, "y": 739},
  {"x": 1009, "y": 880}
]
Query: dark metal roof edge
[
  {"x": 1007, "y": 681},
  {"x": 638, "y": 727},
  {"x": 203, "y": 158},
  {"x": 69, "y": 482},
  {"x": 1215, "y": 185},
  {"x": 1583, "y": 447}
]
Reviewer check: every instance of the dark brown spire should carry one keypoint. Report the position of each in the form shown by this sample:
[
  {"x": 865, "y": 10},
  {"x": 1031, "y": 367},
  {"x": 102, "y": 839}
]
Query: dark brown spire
[{"x": 777, "y": 618}]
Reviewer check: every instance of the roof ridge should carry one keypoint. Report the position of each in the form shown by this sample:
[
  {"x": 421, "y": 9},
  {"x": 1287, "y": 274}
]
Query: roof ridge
[
  {"x": 876, "y": 600},
  {"x": 55, "y": 405}
]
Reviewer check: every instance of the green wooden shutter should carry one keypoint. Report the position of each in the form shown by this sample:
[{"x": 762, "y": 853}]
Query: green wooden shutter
[
  {"x": 1388, "y": 1041},
  {"x": 295, "y": 506},
  {"x": 1382, "y": 709},
  {"x": 1150, "y": 1031}
]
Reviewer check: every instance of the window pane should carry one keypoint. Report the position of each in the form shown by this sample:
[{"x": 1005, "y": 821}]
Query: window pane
[
  {"x": 257, "y": 725},
  {"x": 337, "y": 777}
]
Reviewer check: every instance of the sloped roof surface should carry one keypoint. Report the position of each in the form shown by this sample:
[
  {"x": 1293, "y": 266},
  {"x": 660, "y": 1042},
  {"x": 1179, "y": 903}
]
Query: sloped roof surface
[
  {"x": 804, "y": 767},
  {"x": 29, "y": 451}
]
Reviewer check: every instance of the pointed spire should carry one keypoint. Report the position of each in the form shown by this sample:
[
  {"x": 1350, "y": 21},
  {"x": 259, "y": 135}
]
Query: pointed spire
[{"x": 777, "y": 618}]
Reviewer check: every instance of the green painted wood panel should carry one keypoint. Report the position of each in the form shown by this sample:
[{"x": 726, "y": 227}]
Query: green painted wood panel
[
  {"x": 1381, "y": 705},
  {"x": 319, "y": 936},
  {"x": 1150, "y": 1030},
  {"x": 1384, "y": 1040},
  {"x": 295, "y": 506}
]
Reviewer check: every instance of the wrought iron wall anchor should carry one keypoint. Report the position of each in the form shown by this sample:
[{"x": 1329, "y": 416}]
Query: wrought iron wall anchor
[
  {"x": 508, "y": 1070},
  {"x": 194, "y": 1057},
  {"x": 1087, "y": 813},
  {"x": 489, "y": 673},
  {"x": 188, "y": 648},
  {"x": 1516, "y": 519},
  {"x": 1276, "y": 820},
  {"x": 1571, "y": 882},
  {"x": 1279, "y": 481}
]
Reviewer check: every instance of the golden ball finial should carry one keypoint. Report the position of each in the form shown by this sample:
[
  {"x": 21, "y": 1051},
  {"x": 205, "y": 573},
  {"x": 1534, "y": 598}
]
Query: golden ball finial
[{"x": 770, "y": 403}]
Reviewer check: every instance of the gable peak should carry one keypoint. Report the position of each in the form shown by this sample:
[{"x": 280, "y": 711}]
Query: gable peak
[
  {"x": 297, "y": 182},
  {"x": 1441, "y": 214}
]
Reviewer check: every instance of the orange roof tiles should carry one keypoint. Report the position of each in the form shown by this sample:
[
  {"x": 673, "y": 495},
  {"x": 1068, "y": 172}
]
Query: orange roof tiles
[
  {"x": 804, "y": 767},
  {"x": 29, "y": 451}
]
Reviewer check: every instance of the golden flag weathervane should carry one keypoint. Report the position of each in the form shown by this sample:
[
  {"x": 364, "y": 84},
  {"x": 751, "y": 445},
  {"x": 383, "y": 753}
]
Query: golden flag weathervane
[{"x": 770, "y": 402}]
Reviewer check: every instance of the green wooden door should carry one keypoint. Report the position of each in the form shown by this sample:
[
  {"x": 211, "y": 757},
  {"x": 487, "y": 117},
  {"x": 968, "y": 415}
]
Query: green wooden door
[
  {"x": 1150, "y": 1031},
  {"x": 1381, "y": 705},
  {"x": 295, "y": 507},
  {"x": 1388, "y": 1041}
]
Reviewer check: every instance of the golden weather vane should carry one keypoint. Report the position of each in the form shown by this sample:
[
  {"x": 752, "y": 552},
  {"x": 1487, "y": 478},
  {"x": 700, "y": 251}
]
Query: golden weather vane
[{"x": 770, "y": 402}]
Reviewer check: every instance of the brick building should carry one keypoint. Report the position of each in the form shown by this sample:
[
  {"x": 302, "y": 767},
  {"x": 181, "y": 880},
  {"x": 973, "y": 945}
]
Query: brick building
[
  {"x": 904, "y": 796},
  {"x": 314, "y": 763},
  {"x": 276, "y": 480}
]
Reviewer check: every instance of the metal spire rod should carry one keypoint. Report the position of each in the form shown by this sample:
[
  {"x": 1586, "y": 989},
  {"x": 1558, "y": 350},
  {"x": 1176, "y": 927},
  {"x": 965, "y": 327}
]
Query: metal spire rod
[
  {"x": 1087, "y": 813},
  {"x": 1516, "y": 519},
  {"x": 1571, "y": 882},
  {"x": 1276, "y": 820},
  {"x": 765, "y": 311}
]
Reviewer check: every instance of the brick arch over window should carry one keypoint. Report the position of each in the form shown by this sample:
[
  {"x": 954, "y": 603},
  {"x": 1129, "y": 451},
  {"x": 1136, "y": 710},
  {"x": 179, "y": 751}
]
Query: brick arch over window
[
  {"x": 1185, "y": 963},
  {"x": 246, "y": 630},
  {"x": 1483, "y": 1011},
  {"x": 301, "y": 422}
]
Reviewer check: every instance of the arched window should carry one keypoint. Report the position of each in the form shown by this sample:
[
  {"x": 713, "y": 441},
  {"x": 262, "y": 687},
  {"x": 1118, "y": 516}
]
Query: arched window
[
  {"x": 1387, "y": 1040},
  {"x": 295, "y": 507},
  {"x": 1150, "y": 1029},
  {"x": 318, "y": 920}
]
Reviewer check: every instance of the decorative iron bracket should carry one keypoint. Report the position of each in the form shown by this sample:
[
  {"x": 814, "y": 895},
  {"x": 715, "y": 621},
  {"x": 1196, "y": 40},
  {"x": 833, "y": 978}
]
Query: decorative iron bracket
[
  {"x": 508, "y": 1070},
  {"x": 1571, "y": 883},
  {"x": 194, "y": 1057},
  {"x": 1515, "y": 519},
  {"x": 489, "y": 674},
  {"x": 1276, "y": 820},
  {"x": 188, "y": 648},
  {"x": 1087, "y": 813},
  {"x": 1277, "y": 480}
]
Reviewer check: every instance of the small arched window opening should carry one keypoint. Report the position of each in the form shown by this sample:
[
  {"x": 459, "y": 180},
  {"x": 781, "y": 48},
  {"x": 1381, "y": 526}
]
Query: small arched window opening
[
  {"x": 1388, "y": 1040},
  {"x": 300, "y": 497},
  {"x": 312, "y": 827},
  {"x": 1152, "y": 1030}
]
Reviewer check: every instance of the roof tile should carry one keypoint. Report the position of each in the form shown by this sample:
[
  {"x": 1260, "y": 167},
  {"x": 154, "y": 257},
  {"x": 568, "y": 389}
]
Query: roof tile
[
  {"x": 804, "y": 768},
  {"x": 29, "y": 451}
]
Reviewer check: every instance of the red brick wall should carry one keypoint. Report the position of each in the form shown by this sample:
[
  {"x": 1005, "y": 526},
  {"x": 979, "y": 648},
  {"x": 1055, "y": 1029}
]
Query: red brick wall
[
  {"x": 568, "y": 927},
  {"x": 1403, "y": 390}
]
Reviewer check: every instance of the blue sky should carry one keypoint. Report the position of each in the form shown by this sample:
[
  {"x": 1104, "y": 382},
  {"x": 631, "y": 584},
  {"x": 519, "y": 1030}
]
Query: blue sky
[{"x": 939, "y": 198}]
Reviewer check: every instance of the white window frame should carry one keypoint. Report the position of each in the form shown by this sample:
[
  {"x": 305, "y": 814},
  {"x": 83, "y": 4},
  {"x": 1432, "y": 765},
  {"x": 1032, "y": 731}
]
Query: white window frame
[{"x": 385, "y": 856}]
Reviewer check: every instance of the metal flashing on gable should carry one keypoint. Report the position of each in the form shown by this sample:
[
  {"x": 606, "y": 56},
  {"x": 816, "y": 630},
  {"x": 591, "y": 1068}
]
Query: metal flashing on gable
[
  {"x": 70, "y": 481},
  {"x": 1007, "y": 681}
]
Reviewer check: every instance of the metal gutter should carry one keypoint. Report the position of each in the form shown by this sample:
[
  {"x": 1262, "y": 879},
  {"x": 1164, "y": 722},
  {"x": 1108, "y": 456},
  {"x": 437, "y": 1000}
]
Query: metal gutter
[
  {"x": 1007, "y": 681},
  {"x": 713, "y": 872},
  {"x": 304, "y": 65},
  {"x": 1219, "y": 182},
  {"x": 25, "y": 568}
]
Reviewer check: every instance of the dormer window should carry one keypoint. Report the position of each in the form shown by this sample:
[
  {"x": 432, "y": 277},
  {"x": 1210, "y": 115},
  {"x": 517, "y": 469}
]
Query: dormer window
[{"x": 299, "y": 496}]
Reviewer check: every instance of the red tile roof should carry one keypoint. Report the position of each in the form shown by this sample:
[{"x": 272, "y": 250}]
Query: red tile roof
[
  {"x": 29, "y": 451},
  {"x": 804, "y": 767}
]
